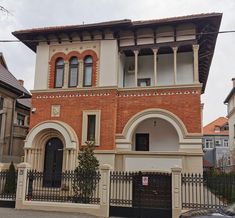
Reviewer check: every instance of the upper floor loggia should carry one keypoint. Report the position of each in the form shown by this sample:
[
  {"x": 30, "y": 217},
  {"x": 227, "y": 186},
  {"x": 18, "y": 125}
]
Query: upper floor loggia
[{"x": 124, "y": 54}]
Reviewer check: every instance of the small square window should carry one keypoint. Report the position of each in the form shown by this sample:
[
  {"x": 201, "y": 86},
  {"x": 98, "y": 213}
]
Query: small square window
[
  {"x": 144, "y": 82},
  {"x": 20, "y": 119}
]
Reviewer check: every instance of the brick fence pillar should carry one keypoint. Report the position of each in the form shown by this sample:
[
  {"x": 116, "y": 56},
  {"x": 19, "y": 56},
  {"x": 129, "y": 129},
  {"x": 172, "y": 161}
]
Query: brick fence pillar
[
  {"x": 176, "y": 192},
  {"x": 21, "y": 184}
]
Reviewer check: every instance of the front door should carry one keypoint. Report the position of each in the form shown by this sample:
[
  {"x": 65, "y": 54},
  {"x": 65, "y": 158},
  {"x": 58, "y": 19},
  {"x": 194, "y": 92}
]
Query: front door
[
  {"x": 142, "y": 142},
  {"x": 53, "y": 163}
]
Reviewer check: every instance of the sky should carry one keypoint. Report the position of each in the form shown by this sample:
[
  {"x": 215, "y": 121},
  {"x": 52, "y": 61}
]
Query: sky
[{"x": 26, "y": 14}]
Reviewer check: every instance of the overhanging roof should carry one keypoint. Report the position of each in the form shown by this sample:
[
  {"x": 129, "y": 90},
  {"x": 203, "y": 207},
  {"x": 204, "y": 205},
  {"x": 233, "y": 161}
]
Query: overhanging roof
[{"x": 207, "y": 26}]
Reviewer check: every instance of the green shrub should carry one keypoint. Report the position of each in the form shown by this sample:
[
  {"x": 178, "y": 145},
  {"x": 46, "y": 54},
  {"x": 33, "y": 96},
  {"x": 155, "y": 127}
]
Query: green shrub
[{"x": 10, "y": 185}]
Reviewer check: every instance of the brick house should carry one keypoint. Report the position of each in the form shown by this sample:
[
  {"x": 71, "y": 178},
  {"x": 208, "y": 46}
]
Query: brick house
[
  {"x": 216, "y": 143},
  {"x": 134, "y": 87}
]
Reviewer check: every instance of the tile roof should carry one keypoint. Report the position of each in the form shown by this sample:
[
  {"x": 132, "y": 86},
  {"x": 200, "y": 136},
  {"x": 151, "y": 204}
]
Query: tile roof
[
  {"x": 118, "y": 22},
  {"x": 209, "y": 129},
  {"x": 206, "y": 163},
  {"x": 7, "y": 79},
  {"x": 25, "y": 102}
]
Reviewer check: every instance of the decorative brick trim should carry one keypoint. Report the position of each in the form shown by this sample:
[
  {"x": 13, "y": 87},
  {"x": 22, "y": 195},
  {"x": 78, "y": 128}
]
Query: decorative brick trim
[
  {"x": 94, "y": 65},
  {"x": 51, "y": 79}
]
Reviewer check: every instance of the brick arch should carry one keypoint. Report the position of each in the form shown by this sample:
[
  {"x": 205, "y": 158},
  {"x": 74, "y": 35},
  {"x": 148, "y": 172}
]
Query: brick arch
[
  {"x": 73, "y": 54},
  {"x": 94, "y": 65},
  {"x": 52, "y": 67}
]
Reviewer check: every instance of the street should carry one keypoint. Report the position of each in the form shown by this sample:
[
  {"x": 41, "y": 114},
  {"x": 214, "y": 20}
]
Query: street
[{"x": 13, "y": 213}]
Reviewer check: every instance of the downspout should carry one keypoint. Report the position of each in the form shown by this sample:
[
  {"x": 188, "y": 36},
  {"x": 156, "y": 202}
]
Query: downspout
[{"x": 12, "y": 124}]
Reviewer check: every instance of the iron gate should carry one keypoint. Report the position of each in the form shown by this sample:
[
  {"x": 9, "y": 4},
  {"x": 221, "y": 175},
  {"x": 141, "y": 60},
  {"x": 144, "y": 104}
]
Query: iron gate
[
  {"x": 8, "y": 182},
  {"x": 142, "y": 194}
]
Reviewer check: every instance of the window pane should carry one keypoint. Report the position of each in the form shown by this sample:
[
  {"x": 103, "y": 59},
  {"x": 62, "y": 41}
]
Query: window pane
[
  {"x": 73, "y": 77},
  {"x": 87, "y": 76},
  {"x": 20, "y": 119},
  {"x": 91, "y": 127},
  {"x": 1, "y": 103},
  {"x": 0, "y": 124},
  {"x": 59, "y": 77},
  {"x": 73, "y": 61},
  {"x": 88, "y": 60}
]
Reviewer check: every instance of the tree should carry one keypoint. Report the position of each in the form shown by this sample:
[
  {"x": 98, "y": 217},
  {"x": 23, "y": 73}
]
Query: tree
[
  {"x": 85, "y": 175},
  {"x": 10, "y": 185},
  {"x": 4, "y": 10}
]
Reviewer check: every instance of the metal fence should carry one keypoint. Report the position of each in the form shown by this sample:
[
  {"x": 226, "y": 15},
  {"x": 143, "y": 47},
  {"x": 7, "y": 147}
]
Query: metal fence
[
  {"x": 148, "y": 189},
  {"x": 8, "y": 183},
  {"x": 69, "y": 186},
  {"x": 140, "y": 194},
  {"x": 208, "y": 190}
]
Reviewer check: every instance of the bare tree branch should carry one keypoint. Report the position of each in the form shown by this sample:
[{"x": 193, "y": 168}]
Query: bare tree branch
[{"x": 2, "y": 9}]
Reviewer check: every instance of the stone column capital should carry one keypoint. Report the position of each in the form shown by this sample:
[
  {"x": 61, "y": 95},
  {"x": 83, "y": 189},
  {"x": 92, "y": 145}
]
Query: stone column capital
[
  {"x": 155, "y": 50},
  {"x": 175, "y": 48},
  {"x": 136, "y": 52},
  {"x": 195, "y": 47}
]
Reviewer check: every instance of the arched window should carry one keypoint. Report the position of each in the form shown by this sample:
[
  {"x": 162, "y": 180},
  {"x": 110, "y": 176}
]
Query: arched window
[
  {"x": 87, "y": 77},
  {"x": 73, "y": 72},
  {"x": 59, "y": 73}
]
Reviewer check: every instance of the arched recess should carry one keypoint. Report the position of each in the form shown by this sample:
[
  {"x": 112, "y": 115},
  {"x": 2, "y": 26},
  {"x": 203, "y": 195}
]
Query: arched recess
[
  {"x": 40, "y": 134},
  {"x": 125, "y": 139},
  {"x": 69, "y": 136}
]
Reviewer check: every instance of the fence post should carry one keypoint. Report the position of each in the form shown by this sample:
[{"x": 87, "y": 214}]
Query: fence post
[
  {"x": 105, "y": 189},
  {"x": 176, "y": 192},
  {"x": 21, "y": 184}
]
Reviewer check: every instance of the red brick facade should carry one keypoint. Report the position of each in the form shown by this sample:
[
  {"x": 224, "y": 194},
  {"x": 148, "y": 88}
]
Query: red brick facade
[{"x": 117, "y": 107}]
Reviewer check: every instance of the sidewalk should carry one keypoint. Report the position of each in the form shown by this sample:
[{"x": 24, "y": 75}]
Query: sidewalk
[{"x": 13, "y": 213}]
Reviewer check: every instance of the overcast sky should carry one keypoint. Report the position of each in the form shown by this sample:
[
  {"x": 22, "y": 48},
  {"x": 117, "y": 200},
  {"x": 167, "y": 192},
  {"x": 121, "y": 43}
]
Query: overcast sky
[{"x": 39, "y": 13}]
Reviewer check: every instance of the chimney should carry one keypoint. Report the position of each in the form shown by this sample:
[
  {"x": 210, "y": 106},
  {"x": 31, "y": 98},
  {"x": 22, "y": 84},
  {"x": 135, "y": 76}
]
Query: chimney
[
  {"x": 233, "y": 79},
  {"x": 21, "y": 82}
]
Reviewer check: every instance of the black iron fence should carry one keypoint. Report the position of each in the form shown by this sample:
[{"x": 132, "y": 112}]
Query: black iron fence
[
  {"x": 208, "y": 190},
  {"x": 69, "y": 186},
  {"x": 137, "y": 194},
  {"x": 8, "y": 183}
]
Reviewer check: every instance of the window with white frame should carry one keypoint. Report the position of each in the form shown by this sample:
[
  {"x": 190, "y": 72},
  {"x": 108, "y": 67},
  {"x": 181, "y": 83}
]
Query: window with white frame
[
  {"x": 218, "y": 142},
  {"x": 208, "y": 143},
  {"x": 20, "y": 119},
  {"x": 225, "y": 142},
  {"x": 91, "y": 126}
]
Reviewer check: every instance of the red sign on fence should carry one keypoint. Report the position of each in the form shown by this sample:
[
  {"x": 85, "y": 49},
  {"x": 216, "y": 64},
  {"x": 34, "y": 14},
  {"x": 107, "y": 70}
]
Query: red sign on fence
[{"x": 145, "y": 180}]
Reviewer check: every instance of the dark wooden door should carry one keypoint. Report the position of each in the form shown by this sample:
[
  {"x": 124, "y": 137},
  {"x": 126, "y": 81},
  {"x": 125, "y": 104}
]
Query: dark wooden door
[
  {"x": 53, "y": 163},
  {"x": 142, "y": 142}
]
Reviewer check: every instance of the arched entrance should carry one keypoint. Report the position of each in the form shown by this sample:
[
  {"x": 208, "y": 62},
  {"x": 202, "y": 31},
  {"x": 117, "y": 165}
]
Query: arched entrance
[{"x": 53, "y": 163}]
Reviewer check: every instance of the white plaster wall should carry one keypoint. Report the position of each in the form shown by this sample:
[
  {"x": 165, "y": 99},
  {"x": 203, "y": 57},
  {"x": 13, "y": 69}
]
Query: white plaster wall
[
  {"x": 231, "y": 104},
  {"x": 108, "y": 63},
  {"x": 121, "y": 70},
  {"x": 151, "y": 163},
  {"x": 231, "y": 122},
  {"x": 162, "y": 137},
  {"x": 41, "y": 68},
  {"x": 146, "y": 68},
  {"x": 165, "y": 71},
  {"x": 185, "y": 68},
  {"x": 129, "y": 77}
]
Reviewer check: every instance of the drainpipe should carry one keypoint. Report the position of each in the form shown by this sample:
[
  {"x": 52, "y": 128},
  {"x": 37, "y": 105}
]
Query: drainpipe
[{"x": 12, "y": 125}]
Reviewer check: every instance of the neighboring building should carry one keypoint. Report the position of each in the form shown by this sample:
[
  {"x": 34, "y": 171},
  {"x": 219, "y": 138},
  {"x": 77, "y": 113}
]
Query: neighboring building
[
  {"x": 14, "y": 115},
  {"x": 230, "y": 101},
  {"x": 215, "y": 143},
  {"x": 132, "y": 87}
]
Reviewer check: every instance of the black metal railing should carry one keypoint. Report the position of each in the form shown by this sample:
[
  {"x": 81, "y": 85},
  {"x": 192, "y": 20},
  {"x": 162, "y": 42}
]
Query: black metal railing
[
  {"x": 140, "y": 189},
  {"x": 207, "y": 191},
  {"x": 69, "y": 186},
  {"x": 8, "y": 183}
]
